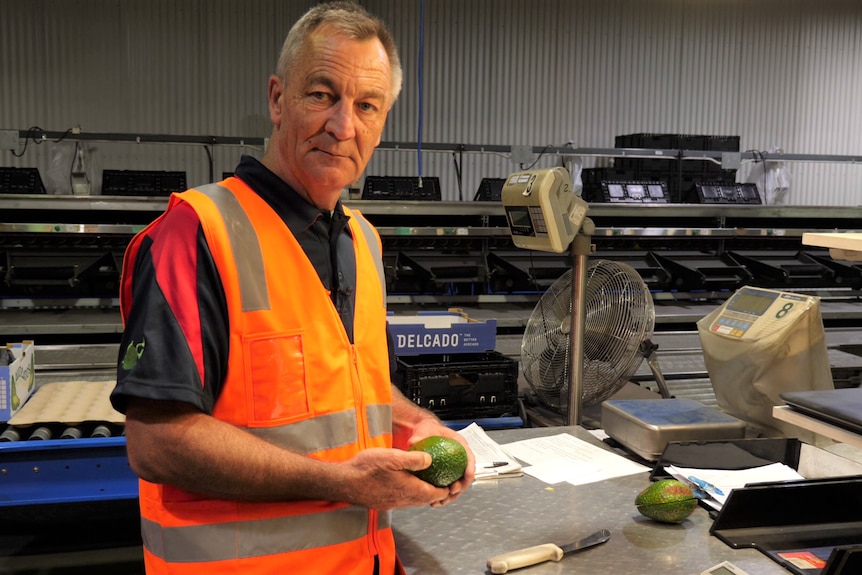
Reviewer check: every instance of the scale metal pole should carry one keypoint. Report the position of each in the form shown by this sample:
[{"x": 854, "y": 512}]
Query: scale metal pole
[{"x": 580, "y": 250}]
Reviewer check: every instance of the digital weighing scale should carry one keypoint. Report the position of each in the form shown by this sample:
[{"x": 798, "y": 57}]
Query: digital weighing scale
[
  {"x": 762, "y": 343},
  {"x": 646, "y": 426},
  {"x": 758, "y": 344}
]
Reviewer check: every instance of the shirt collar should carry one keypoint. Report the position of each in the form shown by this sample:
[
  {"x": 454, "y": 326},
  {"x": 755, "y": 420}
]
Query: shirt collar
[{"x": 296, "y": 212}]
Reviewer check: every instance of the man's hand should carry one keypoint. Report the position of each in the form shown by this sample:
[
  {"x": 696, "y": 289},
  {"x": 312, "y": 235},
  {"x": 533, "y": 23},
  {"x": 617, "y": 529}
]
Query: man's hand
[
  {"x": 432, "y": 426},
  {"x": 411, "y": 423},
  {"x": 381, "y": 479}
]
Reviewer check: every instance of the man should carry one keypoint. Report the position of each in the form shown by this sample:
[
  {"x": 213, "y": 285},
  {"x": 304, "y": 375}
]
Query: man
[{"x": 255, "y": 364}]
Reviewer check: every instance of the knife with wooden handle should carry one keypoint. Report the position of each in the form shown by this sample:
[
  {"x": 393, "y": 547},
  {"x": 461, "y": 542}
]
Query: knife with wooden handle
[{"x": 540, "y": 553}]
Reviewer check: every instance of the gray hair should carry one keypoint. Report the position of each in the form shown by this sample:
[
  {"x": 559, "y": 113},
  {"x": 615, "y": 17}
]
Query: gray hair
[{"x": 349, "y": 19}]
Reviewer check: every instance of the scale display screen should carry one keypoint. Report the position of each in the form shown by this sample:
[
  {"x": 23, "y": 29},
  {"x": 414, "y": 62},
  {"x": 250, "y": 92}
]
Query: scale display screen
[
  {"x": 753, "y": 303},
  {"x": 527, "y": 221},
  {"x": 520, "y": 217}
]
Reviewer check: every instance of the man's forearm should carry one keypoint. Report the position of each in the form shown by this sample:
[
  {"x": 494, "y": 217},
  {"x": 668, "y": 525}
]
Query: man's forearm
[{"x": 197, "y": 453}]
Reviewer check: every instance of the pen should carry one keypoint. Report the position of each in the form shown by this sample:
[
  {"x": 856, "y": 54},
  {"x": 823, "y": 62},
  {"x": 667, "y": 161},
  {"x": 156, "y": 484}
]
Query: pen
[{"x": 496, "y": 464}]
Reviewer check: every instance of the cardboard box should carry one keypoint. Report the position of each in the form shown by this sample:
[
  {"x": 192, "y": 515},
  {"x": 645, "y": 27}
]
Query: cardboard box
[
  {"x": 17, "y": 379},
  {"x": 443, "y": 332}
]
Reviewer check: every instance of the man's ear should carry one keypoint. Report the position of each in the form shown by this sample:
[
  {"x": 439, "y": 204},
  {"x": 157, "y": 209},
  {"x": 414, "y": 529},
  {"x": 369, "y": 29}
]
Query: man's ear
[{"x": 276, "y": 97}]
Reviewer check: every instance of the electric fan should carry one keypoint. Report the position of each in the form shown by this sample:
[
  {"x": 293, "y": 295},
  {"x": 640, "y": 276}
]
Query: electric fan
[{"x": 618, "y": 321}]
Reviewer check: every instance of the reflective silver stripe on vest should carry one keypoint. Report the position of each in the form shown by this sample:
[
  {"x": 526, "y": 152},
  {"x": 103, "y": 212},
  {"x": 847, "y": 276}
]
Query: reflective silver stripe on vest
[
  {"x": 377, "y": 256},
  {"x": 326, "y": 431},
  {"x": 245, "y": 539},
  {"x": 310, "y": 435},
  {"x": 379, "y": 419},
  {"x": 247, "y": 256}
]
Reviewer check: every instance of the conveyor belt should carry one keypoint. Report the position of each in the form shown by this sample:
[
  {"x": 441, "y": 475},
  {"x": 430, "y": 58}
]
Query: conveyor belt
[{"x": 679, "y": 355}]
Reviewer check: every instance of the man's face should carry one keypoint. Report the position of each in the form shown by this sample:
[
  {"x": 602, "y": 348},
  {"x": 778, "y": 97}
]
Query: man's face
[{"x": 329, "y": 115}]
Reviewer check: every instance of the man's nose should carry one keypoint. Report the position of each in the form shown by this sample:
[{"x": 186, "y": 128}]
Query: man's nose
[{"x": 341, "y": 124}]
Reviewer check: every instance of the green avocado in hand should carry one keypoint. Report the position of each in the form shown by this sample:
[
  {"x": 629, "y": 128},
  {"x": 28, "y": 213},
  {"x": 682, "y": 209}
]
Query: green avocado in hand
[{"x": 448, "y": 460}]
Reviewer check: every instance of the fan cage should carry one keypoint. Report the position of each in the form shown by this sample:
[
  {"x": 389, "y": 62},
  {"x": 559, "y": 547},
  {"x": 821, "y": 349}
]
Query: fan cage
[{"x": 618, "y": 316}]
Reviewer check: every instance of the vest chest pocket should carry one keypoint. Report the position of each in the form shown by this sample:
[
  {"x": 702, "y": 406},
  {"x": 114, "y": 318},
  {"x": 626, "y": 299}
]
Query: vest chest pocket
[{"x": 277, "y": 379}]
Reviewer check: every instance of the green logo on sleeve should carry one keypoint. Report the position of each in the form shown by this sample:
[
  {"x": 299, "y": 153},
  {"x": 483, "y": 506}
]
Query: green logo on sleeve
[{"x": 133, "y": 354}]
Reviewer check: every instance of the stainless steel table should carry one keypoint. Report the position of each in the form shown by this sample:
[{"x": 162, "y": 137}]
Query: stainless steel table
[{"x": 507, "y": 514}]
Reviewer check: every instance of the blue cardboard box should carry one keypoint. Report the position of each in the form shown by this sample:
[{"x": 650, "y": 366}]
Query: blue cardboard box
[{"x": 451, "y": 331}]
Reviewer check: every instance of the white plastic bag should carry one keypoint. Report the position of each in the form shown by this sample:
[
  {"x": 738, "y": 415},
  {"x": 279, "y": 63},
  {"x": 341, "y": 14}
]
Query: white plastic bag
[
  {"x": 68, "y": 158},
  {"x": 574, "y": 165},
  {"x": 772, "y": 178},
  {"x": 57, "y": 177}
]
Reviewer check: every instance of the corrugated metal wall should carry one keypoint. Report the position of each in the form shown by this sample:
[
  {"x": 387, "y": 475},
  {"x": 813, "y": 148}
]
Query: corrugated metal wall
[{"x": 785, "y": 73}]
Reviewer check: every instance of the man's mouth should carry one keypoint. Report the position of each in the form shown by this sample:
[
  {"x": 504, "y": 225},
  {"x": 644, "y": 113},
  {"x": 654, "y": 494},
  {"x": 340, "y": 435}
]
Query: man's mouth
[{"x": 330, "y": 153}]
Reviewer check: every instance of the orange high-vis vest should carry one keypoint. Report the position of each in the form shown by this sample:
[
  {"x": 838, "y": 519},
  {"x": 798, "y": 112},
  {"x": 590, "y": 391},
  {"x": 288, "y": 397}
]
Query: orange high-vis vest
[{"x": 293, "y": 379}]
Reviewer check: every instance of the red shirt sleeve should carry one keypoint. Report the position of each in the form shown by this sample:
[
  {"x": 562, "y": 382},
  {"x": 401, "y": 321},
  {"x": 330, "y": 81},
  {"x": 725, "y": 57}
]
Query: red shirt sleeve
[{"x": 175, "y": 317}]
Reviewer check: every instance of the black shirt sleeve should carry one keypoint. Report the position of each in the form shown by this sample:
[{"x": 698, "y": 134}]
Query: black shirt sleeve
[
  {"x": 175, "y": 343},
  {"x": 393, "y": 363}
]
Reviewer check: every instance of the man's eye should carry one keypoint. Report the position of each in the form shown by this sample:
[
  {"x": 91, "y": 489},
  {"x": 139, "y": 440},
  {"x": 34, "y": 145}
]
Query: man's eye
[
  {"x": 319, "y": 96},
  {"x": 366, "y": 107}
]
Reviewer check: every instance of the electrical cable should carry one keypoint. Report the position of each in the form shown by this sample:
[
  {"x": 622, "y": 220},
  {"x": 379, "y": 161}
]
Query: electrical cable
[
  {"x": 72, "y": 167},
  {"x": 419, "y": 85},
  {"x": 458, "y": 176},
  {"x": 63, "y": 137},
  {"x": 536, "y": 161},
  {"x": 210, "y": 159},
  {"x": 30, "y": 136},
  {"x": 758, "y": 158},
  {"x": 27, "y": 137}
]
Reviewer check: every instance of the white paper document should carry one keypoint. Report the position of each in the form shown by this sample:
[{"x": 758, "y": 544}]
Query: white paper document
[
  {"x": 489, "y": 455},
  {"x": 563, "y": 457},
  {"x": 715, "y": 485}
]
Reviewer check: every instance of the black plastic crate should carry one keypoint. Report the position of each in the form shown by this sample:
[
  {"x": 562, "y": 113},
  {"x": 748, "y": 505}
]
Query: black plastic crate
[
  {"x": 627, "y": 141},
  {"x": 490, "y": 190},
  {"x": 21, "y": 181},
  {"x": 723, "y": 143},
  {"x": 594, "y": 176},
  {"x": 718, "y": 193},
  {"x": 650, "y": 141},
  {"x": 401, "y": 188},
  {"x": 142, "y": 183},
  {"x": 692, "y": 142},
  {"x": 643, "y": 140},
  {"x": 637, "y": 191},
  {"x": 682, "y": 189},
  {"x": 461, "y": 385}
]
